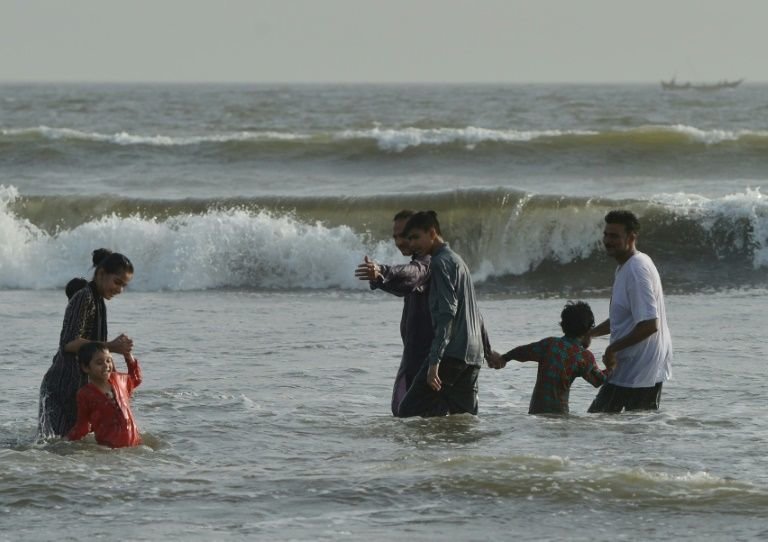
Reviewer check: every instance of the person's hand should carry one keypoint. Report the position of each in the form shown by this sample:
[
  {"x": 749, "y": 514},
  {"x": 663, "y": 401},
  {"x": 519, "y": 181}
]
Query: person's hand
[
  {"x": 495, "y": 361},
  {"x": 122, "y": 344},
  {"x": 609, "y": 358},
  {"x": 433, "y": 379},
  {"x": 368, "y": 270}
]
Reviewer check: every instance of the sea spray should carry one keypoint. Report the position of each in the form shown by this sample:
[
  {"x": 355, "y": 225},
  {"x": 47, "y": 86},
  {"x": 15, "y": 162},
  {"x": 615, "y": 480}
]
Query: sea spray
[
  {"x": 217, "y": 249},
  {"x": 510, "y": 239}
]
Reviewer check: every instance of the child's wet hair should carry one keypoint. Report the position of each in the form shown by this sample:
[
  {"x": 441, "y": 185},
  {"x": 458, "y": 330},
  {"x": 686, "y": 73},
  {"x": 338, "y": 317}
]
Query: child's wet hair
[
  {"x": 577, "y": 319},
  {"x": 74, "y": 286},
  {"x": 88, "y": 350}
]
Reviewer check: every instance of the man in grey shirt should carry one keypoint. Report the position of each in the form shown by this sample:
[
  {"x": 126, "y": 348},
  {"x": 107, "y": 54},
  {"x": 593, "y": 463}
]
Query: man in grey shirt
[{"x": 449, "y": 377}]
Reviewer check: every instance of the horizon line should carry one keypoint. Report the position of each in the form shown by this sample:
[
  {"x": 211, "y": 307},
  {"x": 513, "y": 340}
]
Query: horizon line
[{"x": 328, "y": 82}]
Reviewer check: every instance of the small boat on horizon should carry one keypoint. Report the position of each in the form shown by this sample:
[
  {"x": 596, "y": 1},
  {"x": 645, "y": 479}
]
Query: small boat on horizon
[{"x": 672, "y": 84}]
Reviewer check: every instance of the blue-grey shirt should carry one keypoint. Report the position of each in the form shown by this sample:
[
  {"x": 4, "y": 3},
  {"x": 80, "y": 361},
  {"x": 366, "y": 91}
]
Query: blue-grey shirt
[{"x": 456, "y": 320}]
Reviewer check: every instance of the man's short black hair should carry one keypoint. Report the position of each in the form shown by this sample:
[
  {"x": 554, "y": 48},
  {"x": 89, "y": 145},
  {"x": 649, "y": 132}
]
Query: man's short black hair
[
  {"x": 577, "y": 319},
  {"x": 405, "y": 214},
  {"x": 626, "y": 218},
  {"x": 423, "y": 220}
]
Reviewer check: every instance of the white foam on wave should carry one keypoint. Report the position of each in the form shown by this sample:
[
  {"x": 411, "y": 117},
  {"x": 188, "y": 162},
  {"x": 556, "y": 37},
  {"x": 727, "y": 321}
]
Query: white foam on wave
[
  {"x": 698, "y": 478},
  {"x": 689, "y": 485},
  {"x": 387, "y": 139},
  {"x": 710, "y": 137},
  {"x": 750, "y": 206},
  {"x": 219, "y": 249},
  {"x": 533, "y": 234},
  {"x": 18, "y": 236},
  {"x": 402, "y": 138},
  {"x": 240, "y": 248},
  {"x": 125, "y": 138}
]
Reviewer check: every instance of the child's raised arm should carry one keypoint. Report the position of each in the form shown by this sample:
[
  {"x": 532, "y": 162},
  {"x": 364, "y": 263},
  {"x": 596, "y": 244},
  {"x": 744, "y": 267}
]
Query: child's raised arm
[{"x": 134, "y": 371}]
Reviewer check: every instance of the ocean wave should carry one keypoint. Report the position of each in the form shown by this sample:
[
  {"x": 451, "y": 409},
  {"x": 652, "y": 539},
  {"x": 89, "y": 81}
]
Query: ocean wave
[
  {"x": 513, "y": 241},
  {"x": 123, "y": 138},
  {"x": 396, "y": 140},
  {"x": 561, "y": 479},
  {"x": 232, "y": 248}
]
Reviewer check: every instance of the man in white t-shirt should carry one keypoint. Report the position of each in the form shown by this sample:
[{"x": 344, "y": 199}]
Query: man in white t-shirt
[{"x": 637, "y": 321}]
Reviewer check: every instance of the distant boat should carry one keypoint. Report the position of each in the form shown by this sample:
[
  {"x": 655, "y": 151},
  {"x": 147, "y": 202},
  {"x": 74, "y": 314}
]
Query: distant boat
[{"x": 672, "y": 84}]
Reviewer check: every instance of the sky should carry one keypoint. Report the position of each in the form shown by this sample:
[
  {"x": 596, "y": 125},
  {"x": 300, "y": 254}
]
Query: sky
[{"x": 382, "y": 41}]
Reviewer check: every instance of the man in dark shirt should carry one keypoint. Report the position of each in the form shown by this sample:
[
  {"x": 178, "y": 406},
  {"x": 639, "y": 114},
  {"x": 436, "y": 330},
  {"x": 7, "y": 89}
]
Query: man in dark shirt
[{"x": 409, "y": 281}]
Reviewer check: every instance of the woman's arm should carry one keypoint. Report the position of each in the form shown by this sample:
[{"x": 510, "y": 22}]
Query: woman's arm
[{"x": 121, "y": 344}]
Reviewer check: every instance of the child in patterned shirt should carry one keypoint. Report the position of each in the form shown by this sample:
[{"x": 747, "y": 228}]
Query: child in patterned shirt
[{"x": 561, "y": 360}]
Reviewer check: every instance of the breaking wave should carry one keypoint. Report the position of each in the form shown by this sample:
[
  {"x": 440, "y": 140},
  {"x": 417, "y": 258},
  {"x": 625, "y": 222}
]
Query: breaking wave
[
  {"x": 378, "y": 140},
  {"x": 513, "y": 241}
]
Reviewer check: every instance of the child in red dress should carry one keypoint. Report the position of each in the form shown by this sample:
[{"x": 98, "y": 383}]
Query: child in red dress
[{"x": 103, "y": 404}]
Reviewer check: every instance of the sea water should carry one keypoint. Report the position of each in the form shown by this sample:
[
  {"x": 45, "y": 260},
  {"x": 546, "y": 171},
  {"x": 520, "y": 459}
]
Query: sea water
[{"x": 268, "y": 367}]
